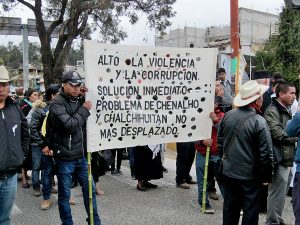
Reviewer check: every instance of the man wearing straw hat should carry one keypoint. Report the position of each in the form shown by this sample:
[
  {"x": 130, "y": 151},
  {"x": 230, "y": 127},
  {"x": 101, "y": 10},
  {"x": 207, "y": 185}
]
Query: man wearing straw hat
[
  {"x": 14, "y": 139},
  {"x": 244, "y": 142}
]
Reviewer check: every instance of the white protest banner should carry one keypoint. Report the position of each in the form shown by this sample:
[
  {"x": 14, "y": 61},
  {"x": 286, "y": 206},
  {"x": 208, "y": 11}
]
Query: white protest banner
[{"x": 148, "y": 95}]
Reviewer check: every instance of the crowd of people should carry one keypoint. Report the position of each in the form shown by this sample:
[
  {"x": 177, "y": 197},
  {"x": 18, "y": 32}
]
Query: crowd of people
[{"x": 251, "y": 150}]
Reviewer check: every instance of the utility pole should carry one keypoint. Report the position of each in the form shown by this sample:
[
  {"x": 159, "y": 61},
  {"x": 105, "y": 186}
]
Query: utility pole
[
  {"x": 25, "y": 57},
  {"x": 234, "y": 41}
]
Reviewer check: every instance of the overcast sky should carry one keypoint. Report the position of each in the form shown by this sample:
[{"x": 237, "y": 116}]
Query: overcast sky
[{"x": 197, "y": 13}]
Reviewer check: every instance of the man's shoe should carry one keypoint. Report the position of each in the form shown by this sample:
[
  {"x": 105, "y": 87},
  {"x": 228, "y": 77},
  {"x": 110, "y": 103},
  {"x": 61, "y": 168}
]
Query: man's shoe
[
  {"x": 119, "y": 172},
  {"x": 192, "y": 182},
  {"x": 147, "y": 184},
  {"x": 114, "y": 172},
  {"x": 141, "y": 187},
  {"x": 46, "y": 204},
  {"x": 53, "y": 191},
  {"x": 184, "y": 186},
  {"x": 213, "y": 195},
  {"x": 37, "y": 192}
]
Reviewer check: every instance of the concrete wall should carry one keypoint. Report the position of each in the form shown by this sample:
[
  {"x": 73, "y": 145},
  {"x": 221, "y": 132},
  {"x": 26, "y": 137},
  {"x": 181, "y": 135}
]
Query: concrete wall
[{"x": 255, "y": 28}]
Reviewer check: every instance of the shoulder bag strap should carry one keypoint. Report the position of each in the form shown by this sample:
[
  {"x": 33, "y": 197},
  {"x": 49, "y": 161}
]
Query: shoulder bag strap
[{"x": 243, "y": 120}]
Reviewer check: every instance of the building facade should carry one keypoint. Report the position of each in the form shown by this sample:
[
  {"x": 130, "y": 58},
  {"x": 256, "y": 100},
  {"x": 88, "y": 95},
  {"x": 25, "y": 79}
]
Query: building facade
[{"x": 255, "y": 29}]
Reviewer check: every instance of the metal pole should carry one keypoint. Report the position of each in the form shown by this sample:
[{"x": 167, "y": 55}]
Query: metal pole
[
  {"x": 234, "y": 40},
  {"x": 90, "y": 188},
  {"x": 25, "y": 57}
]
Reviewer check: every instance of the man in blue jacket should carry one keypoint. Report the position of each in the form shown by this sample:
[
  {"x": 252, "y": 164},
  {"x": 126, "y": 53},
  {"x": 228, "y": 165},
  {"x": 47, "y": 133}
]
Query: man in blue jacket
[
  {"x": 293, "y": 129},
  {"x": 14, "y": 139},
  {"x": 65, "y": 135}
]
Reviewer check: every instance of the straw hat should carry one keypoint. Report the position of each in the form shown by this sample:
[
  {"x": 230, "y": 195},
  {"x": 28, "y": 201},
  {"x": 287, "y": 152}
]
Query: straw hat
[
  {"x": 249, "y": 92},
  {"x": 3, "y": 75}
]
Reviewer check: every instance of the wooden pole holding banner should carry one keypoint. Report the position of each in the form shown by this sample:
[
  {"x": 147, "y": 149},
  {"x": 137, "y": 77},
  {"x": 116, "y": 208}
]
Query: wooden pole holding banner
[
  {"x": 205, "y": 180},
  {"x": 90, "y": 179},
  {"x": 234, "y": 41}
]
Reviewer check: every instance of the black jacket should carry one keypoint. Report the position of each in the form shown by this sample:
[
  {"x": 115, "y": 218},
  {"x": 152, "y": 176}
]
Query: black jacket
[
  {"x": 277, "y": 117},
  {"x": 251, "y": 156},
  {"x": 66, "y": 127},
  {"x": 14, "y": 138},
  {"x": 37, "y": 117}
]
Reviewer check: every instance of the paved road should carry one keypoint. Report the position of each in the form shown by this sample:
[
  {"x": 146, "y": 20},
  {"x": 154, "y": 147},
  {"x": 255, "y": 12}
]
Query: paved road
[{"x": 122, "y": 204}]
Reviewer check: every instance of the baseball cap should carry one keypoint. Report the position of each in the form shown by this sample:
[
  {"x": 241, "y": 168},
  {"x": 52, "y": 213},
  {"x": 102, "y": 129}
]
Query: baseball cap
[{"x": 72, "y": 77}]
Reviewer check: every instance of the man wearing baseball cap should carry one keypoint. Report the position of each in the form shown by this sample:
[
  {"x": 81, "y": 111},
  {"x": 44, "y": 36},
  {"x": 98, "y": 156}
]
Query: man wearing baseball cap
[
  {"x": 65, "y": 135},
  {"x": 245, "y": 144},
  {"x": 14, "y": 139}
]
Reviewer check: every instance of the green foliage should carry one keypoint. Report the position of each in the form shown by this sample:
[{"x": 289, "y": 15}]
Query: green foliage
[
  {"x": 11, "y": 56},
  {"x": 75, "y": 55},
  {"x": 282, "y": 52}
]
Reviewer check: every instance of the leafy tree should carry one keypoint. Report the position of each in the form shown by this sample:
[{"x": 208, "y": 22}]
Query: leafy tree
[
  {"x": 11, "y": 55},
  {"x": 34, "y": 53},
  {"x": 75, "y": 55},
  {"x": 282, "y": 52},
  {"x": 77, "y": 17}
]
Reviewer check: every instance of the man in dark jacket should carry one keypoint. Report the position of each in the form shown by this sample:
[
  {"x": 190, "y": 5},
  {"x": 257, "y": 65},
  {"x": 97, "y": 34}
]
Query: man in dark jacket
[
  {"x": 39, "y": 145},
  {"x": 277, "y": 115},
  {"x": 65, "y": 135},
  {"x": 244, "y": 142},
  {"x": 14, "y": 139}
]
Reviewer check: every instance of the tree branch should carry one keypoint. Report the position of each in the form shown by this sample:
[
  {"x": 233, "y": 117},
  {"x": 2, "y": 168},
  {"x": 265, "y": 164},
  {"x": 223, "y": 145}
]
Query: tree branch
[
  {"x": 144, "y": 7},
  {"x": 83, "y": 24},
  {"x": 59, "y": 20},
  {"x": 27, "y": 4},
  {"x": 60, "y": 45}
]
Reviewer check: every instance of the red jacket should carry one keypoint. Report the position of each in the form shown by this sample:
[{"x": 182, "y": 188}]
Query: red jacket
[{"x": 201, "y": 148}]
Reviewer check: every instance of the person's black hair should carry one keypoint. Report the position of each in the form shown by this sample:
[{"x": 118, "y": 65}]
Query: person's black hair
[
  {"x": 29, "y": 92},
  {"x": 221, "y": 70},
  {"x": 277, "y": 76},
  {"x": 283, "y": 87},
  {"x": 51, "y": 90}
]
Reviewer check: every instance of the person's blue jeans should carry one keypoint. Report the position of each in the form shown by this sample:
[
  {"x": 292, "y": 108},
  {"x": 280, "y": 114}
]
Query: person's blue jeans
[
  {"x": 47, "y": 166},
  {"x": 79, "y": 169},
  {"x": 131, "y": 156},
  {"x": 8, "y": 189},
  {"x": 296, "y": 198},
  {"x": 36, "y": 166},
  {"x": 200, "y": 166}
]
